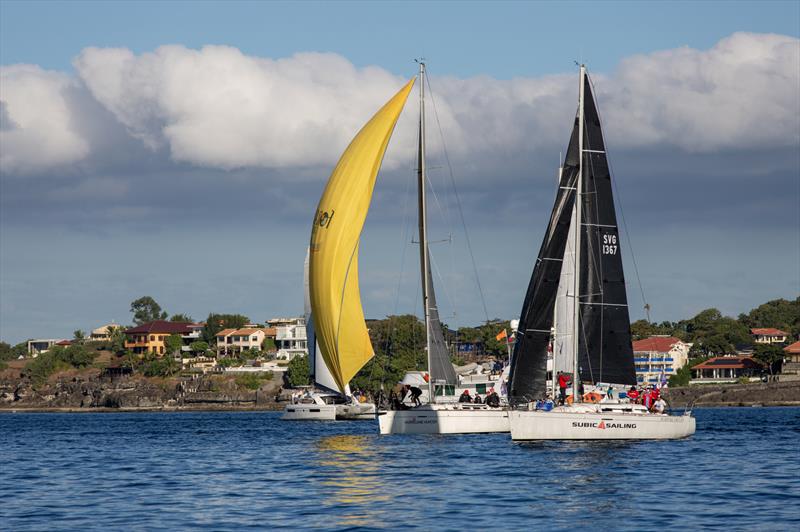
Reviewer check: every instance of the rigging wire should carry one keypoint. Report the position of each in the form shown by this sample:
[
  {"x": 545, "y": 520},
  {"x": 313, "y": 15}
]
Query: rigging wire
[{"x": 458, "y": 199}]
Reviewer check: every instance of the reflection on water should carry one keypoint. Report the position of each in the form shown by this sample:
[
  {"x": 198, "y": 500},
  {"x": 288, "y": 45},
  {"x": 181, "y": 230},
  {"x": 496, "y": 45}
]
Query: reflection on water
[{"x": 350, "y": 480}]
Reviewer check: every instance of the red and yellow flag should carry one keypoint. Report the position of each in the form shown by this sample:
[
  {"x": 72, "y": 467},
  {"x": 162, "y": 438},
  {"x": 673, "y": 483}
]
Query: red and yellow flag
[{"x": 501, "y": 335}]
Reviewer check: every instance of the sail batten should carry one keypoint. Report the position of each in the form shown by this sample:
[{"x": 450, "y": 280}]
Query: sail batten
[{"x": 339, "y": 324}]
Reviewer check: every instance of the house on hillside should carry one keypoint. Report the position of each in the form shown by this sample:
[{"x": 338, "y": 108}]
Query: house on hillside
[
  {"x": 103, "y": 333},
  {"x": 659, "y": 357},
  {"x": 290, "y": 337},
  {"x": 235, "y": 341},
  {"x": 769, "y": 335},
  {"x": 41, "y": 345},
  {"x": 726, "y": 369},
  {"x": 791, "y": 361},
  {"x": 149, "y": 337}
]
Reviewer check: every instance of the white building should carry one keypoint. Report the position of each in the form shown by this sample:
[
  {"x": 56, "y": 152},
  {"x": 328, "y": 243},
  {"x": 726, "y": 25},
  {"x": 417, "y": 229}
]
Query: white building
[
  {"x": 659, "y": 356},
  {"x": 769, "y": 335},
  {"x": 41, "y": 345},
  {"x": 290, "y": 337},
  {"x": 234, "y": 341}
]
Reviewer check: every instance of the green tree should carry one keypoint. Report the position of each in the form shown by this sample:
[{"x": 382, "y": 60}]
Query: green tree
[
  {"x": 199, "y": 348},
  {"x": 268, "y": 345},
  {"x": 117, "y": 339},
  {"x": 161, "y": 367},
  {"x": 217, "y": 322},
  {"x": 79, "y": 336},
  {"x": 715, "y": 334},
  {"x": 173, "y": 344},
  {"x": 770, "y": 355},
  {"x": 6, "y": 352},
  {"x": 779, "y": 313},
  {"x": 181, "y": 318},
  {"x": 298, "y": 372},
  {"x": 399, "y": 346},
  {"x": 145, "y": 309}
]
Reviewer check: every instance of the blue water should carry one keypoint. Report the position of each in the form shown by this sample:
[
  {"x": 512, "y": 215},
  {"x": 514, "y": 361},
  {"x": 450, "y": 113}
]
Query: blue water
[{"x": 226, "y": 471}]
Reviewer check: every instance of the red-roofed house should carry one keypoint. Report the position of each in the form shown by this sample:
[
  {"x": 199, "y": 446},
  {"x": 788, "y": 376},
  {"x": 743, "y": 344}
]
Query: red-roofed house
[
  {"x": 726, "y": 369},
  {"x": 659, "y": 357},
  {"x": 769, "y": 335},
  {"x": 792, "y": 352},
  {"x": 149, "y": 337},
  {"x": 233, "y": 341}
]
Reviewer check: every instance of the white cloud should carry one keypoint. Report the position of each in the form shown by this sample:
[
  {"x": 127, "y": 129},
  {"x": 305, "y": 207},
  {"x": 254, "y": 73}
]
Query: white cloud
[
  {"x": 219, "y": 108},
  {"x": 37, "y": 129}
]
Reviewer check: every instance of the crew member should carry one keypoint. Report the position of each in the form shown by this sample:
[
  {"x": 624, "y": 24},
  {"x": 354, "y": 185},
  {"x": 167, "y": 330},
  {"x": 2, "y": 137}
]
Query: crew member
[
  {"x": 492, "y": 399},
  {"x": 563, "y": 381},
  {"x": 465, "y": 398}
]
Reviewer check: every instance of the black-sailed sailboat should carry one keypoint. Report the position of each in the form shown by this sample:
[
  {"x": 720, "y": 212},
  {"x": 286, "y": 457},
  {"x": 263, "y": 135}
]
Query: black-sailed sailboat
[{"x": 575, "y": 310}]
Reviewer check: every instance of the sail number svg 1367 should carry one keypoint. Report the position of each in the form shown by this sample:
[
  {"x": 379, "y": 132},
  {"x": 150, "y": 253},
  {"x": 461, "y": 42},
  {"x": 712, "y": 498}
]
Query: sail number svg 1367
[{"x": 610, "y": 244}]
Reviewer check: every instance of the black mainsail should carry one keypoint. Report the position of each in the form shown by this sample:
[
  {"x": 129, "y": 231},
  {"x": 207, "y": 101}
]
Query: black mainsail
[
  {"x": 604, "y": 343},
  {"x": 605, "y": 353}
]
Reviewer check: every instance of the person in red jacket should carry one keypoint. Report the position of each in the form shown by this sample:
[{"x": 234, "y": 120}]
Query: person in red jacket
[
  {"x": 633, "y": 394},
  {"x": 563, "y": 382}
]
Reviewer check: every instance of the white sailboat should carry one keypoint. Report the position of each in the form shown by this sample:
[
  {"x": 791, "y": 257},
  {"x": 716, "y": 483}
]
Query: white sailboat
[
  {"x": 435, "y": 417},
  {"x": 324, "y": 402},
  {"x": 576, "y": 307}
]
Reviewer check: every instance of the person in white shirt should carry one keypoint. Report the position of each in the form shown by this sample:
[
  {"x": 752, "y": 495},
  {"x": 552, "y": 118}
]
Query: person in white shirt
[{"x": 660, "y": 406}]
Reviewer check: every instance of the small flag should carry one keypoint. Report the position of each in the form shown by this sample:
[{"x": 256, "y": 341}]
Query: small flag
[{"x": 501, "y": 335}]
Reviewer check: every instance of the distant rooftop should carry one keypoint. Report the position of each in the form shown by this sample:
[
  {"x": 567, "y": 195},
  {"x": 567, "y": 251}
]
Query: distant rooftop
[
  {"x": 768, "y": 331},
  {"x": 161, "y": 326},
  {"x": 658, "y": 344}
]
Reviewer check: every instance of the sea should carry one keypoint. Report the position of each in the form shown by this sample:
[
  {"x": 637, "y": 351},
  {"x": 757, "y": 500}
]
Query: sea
[{"x": 250, "y": 470}]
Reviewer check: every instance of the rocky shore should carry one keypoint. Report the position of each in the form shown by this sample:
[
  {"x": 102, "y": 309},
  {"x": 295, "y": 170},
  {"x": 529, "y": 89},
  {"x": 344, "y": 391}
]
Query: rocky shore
[
  {"x": 756, "y": 394},
  {"x": 91, "y": 390}
]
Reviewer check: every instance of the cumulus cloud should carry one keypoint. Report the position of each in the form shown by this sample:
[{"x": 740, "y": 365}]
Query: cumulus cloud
[
  {"x": 219, "y": 108},
  {"x": 37, "y": 120}
]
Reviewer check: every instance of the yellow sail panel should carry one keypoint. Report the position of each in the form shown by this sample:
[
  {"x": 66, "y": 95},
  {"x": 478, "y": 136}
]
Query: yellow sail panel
[{"x": 333, "y": 266}]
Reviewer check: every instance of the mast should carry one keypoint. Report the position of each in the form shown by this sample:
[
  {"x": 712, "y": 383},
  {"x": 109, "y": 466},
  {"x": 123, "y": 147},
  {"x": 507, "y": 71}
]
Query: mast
[
  {"x": 576, "y": 262},
  {"x": 423, "y": 227}
]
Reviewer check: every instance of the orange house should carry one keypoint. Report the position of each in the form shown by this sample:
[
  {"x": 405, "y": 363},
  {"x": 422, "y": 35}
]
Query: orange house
[{"x": 149, "y": 337}]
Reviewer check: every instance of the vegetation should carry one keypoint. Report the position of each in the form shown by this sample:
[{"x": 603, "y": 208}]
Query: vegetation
[
  {"x": 298, "y": 373},
  {"x": 7, "y": 352},
  {"x": 199, "y": 348},
  {"x": 252, "y": 381},
  {"x": 181, "y": 318},
  {"x": 770, "y": 355},
  {"x": 145, "y": 309},
  {"x": 779, "y": 313},
  {"x": 79, "y": 336},
  {"x": 160, "y": 367},
  {"x": 173, "y": 344},
  {"x": 217, "y": 322},
  {"x": 58, "y": 359},
  {"x": 117, "y": 340},
  {"x": 684, "y": 375}
]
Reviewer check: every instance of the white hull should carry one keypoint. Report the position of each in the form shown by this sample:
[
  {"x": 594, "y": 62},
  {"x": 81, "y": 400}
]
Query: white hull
[
  {"x": 309, "y": 412},
  {"x": 444, "y": 419},
  {"x": 569, "y": 424},
  {"x": 316, "y": 412},
  {"x": 356, "y": 411}
]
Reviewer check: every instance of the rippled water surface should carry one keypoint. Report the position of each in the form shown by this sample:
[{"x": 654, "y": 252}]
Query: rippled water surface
[{"x": 145, "y": 471}]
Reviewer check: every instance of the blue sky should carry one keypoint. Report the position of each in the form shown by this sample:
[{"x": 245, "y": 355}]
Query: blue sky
[
  {"x": 500, "y": 39},
  {"x": 139, "y": 160}
]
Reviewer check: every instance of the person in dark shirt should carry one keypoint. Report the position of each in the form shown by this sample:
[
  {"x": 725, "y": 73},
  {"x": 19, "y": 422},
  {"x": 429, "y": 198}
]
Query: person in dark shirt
[
  {"x": 492, "y": 399},
  {"x": 477, "y": 399},
  {"x": 415, "y": 393},
  {"x": 465, "y": 398}
]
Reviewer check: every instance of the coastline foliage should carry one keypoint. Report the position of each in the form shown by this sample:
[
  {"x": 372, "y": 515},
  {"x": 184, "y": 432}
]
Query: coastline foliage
[
  {"x": 145, "y": 309},
  {"x": 58, "y": 358},
  {"x": 298, "y": 372}
]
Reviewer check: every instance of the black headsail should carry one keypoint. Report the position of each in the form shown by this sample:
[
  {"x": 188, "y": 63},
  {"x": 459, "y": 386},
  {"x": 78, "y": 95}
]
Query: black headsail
[
  {"x": 605, "y": 353},
  {"x": 441, "y": 369},
  {"x": 527, "y": 378}
]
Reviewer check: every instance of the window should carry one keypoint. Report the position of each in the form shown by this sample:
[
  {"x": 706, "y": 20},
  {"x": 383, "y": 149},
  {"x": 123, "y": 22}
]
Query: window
[
  {"x": 480, "y": 388},
  {"x": 152, "y": 338}
]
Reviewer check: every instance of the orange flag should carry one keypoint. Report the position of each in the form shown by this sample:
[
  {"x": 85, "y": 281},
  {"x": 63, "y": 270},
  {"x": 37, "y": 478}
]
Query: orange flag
[{"x": 501, "y": 335}]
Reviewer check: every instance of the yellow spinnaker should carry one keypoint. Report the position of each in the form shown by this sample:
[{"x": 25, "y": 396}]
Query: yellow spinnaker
[{"x": 333, "y": 266}]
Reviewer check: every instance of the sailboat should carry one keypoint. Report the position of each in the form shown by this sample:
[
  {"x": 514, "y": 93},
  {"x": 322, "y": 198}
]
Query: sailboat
[
  {"x": 323, "y": 402},
  {"x": 433, "y": 417},
  {"x": 339, "y": 342},
  {"x": 575, "y": 310}
]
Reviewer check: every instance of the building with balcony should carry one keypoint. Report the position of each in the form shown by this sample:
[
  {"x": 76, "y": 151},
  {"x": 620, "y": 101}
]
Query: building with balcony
[
  {"x": 658, "y": 357},
  {"x": 769, "y": 335},
  {"x": 290, "y": 337},
  {"x": 103, "y": 333},
  {"x": 235, "y": 341},
  {"x": 726, "y": 369},
  {"x": 150, "y": 337}
]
